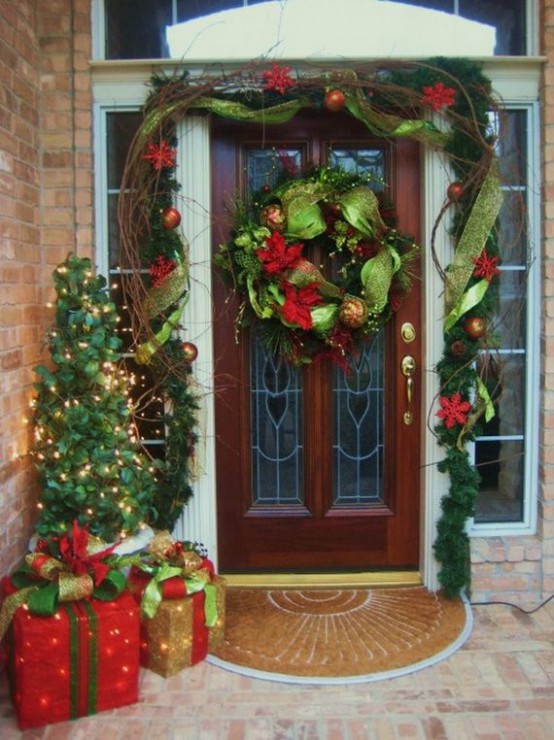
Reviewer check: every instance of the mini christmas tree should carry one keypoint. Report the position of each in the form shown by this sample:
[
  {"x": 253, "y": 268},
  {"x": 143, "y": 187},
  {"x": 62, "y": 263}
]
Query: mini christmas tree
[{"x": 85, "y": 448}]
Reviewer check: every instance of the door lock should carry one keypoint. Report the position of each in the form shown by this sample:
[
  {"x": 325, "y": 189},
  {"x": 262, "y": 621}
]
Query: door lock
[{"x": 408, "y": 332}]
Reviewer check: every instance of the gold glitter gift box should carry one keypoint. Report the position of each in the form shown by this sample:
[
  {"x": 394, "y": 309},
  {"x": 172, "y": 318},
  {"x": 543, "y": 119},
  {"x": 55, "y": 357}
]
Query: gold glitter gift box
[{"x": 176, "y": 637}]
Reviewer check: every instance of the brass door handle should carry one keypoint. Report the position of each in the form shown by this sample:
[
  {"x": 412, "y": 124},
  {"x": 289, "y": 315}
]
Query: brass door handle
[{"x": 408, "y": 368}]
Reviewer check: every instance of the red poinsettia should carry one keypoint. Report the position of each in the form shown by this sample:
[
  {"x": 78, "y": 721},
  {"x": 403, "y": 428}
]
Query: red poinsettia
[
  {"x": 278, "y": 78},
  {"x": 74, "y": 552},
  {"x": 277, "y": 256},
  {"x": 160, "y": 269},
  {"x": 486, "y": 266},
  {"x": 454, "y": 410},
  {"x": 160, "y": 155},
  {"x": 298, "y": 302},
  {"x": 438, "y": 96}
]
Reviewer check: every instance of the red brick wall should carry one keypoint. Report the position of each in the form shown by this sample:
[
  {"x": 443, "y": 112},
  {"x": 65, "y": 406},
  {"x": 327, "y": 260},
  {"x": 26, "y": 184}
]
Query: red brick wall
[{"x": 45, "y": 212}]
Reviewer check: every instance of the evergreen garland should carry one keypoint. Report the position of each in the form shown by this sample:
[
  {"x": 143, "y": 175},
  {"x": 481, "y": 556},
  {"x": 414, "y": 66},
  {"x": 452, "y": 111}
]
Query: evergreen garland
[{"x": 389, "y": 101}]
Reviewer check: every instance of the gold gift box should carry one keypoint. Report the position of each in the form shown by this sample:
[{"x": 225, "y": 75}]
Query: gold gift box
[{"x": 167, "y": 638}]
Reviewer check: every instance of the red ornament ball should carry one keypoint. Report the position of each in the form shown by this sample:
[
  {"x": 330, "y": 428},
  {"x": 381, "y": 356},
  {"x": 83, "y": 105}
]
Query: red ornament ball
[
  {"x": 475, "y": 327},
  {"x": 334, "y": 100},
  {"x": 273, "y": 217},
  {"x": 353, "y": 312},
  {"x": 458, "y": 348},
  {"x": 455, "y": 190},
  {"x": 190, "y": 352},
  {"x": 171, "y": 218}
]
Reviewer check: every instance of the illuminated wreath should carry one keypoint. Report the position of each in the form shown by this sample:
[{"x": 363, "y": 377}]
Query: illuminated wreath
[{"x": 307, "y": 311}]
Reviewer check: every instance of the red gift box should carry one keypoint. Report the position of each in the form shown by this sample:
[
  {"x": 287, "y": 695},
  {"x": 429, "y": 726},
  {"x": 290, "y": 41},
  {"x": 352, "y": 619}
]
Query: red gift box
[
  {"x": 82, "y": 660},
  {"x": 177, "y": 636}
]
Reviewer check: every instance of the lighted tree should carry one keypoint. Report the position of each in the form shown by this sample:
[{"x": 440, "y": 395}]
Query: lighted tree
[{"x": 85, "y": 450}]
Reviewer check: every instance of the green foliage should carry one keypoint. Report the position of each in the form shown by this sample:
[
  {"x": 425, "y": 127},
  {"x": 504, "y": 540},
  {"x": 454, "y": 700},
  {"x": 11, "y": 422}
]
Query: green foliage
[{"x": 89, "y": 468}]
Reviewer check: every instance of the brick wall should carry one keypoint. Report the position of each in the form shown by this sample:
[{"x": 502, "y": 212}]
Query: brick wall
[{"x": 45, "y": 212}]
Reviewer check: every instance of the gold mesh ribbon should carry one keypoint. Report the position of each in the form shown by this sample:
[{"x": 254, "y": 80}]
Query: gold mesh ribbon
[
  {"x": 72, "y": 586},
  {"x": 474, "y": 236},
  {"x": 168, "y": 292},
  {"x": 303, "y": 213},
  {"x": 11, "y": 604},
  {"x": 306, "y": 273},
  {"x": 360, "y": 208},
  {"x": 376, "y": 276}
]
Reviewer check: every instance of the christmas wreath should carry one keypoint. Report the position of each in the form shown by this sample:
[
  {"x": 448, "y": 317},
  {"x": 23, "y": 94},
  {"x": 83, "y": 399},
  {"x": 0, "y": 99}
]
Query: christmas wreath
[{"x": 307, "y": 311}]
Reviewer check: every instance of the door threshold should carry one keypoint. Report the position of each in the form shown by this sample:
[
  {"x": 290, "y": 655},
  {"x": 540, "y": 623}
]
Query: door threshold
[{"x": 323, "y": 580}]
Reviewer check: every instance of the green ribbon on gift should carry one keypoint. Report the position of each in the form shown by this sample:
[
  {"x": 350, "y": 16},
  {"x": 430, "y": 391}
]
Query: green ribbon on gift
[{"x": 194, "y": 582}]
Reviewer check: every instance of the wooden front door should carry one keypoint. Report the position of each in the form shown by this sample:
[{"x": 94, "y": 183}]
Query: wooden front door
[{"x": 316, "y": 470}]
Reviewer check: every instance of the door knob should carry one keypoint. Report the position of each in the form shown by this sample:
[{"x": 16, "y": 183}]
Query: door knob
[{"x": 408, "y": 368}]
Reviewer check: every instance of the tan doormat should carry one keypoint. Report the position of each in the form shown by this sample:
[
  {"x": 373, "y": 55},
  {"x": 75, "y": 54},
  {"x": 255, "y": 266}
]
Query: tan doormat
[{"x": 333, "y": 635}]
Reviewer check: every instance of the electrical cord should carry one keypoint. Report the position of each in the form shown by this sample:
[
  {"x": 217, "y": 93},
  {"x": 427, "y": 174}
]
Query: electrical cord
[{"x": 514, "y": 606}]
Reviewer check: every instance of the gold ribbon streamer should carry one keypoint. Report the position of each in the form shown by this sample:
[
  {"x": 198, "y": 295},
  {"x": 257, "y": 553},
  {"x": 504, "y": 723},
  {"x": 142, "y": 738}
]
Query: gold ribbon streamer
[
  {"x": 11, "y": 604},
  {"x": 72, "y": 586},
  {"x": 472, "y": 241}
]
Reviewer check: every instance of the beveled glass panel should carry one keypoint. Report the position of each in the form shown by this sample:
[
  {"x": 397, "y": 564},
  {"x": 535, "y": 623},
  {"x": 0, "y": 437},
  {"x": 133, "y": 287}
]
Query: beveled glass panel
[
  {"x": 504, "y": 377},
  {"x": 359, "y": 429},
  {"x": 264, "y": 167},
  {"x": 277, "y": 446},
  {"x": 501, "y": 466},
  {"x": 361, "y": 162}
]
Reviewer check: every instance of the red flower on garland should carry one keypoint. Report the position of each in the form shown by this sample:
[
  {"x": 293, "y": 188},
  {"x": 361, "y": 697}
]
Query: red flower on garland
[
  {"x": 438, "y": 96},
  {"x": 277, "y": 256},
  {"x": 74, "y": 552},
  {"x": 485, "y": 266},
  {"x": 160, "y": 269},
  {"x": 278, "y": 78},
  {"x": 298, "y": 302},
  {"x": 160, "y": 155},
  {"x": 454, "y": 410}
]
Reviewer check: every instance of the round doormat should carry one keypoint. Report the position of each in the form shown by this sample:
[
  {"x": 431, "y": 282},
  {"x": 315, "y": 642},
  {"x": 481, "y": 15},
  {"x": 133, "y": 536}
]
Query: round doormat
[{"x": 339, "y": 635}]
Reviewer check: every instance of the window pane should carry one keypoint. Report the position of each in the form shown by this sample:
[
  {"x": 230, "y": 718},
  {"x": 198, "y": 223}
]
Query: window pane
[
  {"x": 121, "y": 128},
  {"x": 500, "y": 464},
  {"x": 509, "y": 322},
  {"x": 504, "y": 377},
  {"x": 508, "y": 16},
  {"x": 512, "y": 225},
  {"x": 135, "y": 29},
  {"x": 189, "y": 9},
  {"x": 511, "y": 128}
]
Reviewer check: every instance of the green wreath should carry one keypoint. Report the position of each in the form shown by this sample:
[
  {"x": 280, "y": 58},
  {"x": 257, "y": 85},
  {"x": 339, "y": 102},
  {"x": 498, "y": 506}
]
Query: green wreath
[{"x": 307, "y": 311}]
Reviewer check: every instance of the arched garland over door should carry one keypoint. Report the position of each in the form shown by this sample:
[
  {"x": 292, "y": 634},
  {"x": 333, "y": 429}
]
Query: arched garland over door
[{"x": 399, "y": 100}]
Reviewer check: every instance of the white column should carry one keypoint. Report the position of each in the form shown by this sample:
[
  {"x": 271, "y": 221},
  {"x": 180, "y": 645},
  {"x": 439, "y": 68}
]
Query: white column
[{"x": 198, "y": 522}]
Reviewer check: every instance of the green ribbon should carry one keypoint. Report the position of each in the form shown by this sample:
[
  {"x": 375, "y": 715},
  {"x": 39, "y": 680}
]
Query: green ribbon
[
  {"x": 324, "y": 317},
  {"x": 485, "y": 399},
  {"x": 170, "y": 290},
  {"x": 472, "y": 297},
  {"x": 304, "y": 217},
  {"x": 360, "y": 208},
  {"x": 194, "y": 582},
  {"x": 152, "y": 596},
  {"x": 146, "y": 350},
  {"x": 376, "y": 276},
  {"x": 474, "y": 236}
]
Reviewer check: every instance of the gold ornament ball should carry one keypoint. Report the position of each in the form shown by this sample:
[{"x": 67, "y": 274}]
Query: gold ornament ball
[
  {"x": 273, "y": 217},
  {"x": 353, "y": 313},
  {"x": 190, "y": 352},
  {"x": 475, "y": 327}
]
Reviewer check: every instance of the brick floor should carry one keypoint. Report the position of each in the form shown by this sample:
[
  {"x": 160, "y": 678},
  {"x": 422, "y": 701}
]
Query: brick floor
[{"x": 499, "y": 686}]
